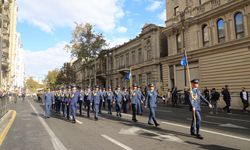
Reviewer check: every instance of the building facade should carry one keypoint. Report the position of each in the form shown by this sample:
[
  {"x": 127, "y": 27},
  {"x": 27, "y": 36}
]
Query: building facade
[
  {"x": 215, "y": 34},
  {"x": 8, "y": 43}
]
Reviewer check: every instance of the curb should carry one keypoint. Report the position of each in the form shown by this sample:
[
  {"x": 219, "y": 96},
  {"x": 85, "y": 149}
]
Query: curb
[{"x": 6, "y": 123}]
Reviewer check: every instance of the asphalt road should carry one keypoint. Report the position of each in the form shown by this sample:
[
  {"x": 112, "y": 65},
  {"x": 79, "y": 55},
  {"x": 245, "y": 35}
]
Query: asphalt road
[{"x": 31, "y": 131}]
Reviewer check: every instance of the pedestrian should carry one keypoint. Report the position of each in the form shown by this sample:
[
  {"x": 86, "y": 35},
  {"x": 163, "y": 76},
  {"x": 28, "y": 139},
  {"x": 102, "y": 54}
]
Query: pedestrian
[
  {"x": 96, "y": 100},
  {"x": 206, "y": 94},
  {"x": 104, "y": 98},
  {"x": 54, "y": 101},
  {"x": 168, "y": 97},
  {"x": 48, "y": 99},
  {"x": 245, "y": 99},
  {"x": 215, "y": 96},
  {"x": 186, "y": 95},
  {"x": 174, "y": 96},
  {"x": 227, "y": 99},
  {"x": 151, "y": 103},
  {"x": 195, "y": 99},
  {"x": 134, "y": 101},
  {"x": 88, "y": 100},
  {"x": 118, "y": 101},
  {"x": 67, "y": 101},
  {"x": 110, "y": 97}
]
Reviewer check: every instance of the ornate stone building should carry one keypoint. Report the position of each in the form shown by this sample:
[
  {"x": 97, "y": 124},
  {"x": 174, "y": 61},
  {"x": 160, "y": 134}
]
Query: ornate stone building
[{"x": 215, "y": 34}]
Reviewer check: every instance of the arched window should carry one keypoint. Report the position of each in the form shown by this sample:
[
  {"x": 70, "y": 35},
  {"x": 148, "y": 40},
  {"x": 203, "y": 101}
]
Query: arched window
[
  {"x": 178, "y": 43},
  {"x": 221, "y": 30},
  {"x": 205, "y": 35},
  {"x": 238, "y": 23}
]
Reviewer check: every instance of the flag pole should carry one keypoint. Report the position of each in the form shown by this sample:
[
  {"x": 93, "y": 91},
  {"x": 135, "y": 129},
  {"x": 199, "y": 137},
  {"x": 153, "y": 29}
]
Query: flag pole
[{"x": 189, "y": 80}]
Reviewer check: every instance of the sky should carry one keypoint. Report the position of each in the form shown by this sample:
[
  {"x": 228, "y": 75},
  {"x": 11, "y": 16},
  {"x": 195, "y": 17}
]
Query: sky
[{"x": 46, "y": 26}]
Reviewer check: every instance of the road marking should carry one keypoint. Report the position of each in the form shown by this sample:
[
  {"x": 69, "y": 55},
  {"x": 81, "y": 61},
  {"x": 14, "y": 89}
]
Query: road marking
[
  {"x": 78, "y": 121},
  {"x": 57, "y": 144},
  {"x": 116, "y": 142},
  {"x": 228, "y": 118},
  {"x": 8, "y": 126},
  {"x": 167, "y": 111},
  {"x": 208, "y": 131}
]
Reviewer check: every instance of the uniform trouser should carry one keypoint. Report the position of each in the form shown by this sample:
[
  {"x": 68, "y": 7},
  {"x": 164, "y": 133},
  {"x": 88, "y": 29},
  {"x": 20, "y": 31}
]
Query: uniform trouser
[
  {"x": 63, "y": 108},
  {"x": 228, "y": 104},
  {"x": 118, "y": 108},
  {"x": 125, "y": 106},
  {"x": 152, "y": 115},
  {"x": 104, "y": 103},
  {"x": 67, "y": 109},
  {"x": 96, "y": 110},
  {"x": 93, "y": 106},
  {"x": 198, "y": 122},
  {"x": 100, "y": 106},
  {"x": 58, "y": 106},
  {"x": 80, "y": 107},
  {"x": 88, "y": 107},
  {"x": 133, "y": 111},
  {"x": 73, "y": 111},
  {"x": 109, "y": 106},
  {"x": 47, "y": 110},
  {"x": 139, "y": 108}
]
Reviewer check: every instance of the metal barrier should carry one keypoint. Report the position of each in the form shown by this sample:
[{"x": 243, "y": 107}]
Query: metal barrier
[{"x": 4, "y": 101}]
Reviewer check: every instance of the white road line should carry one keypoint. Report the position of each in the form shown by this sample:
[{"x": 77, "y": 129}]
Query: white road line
[
  {"x": 228, "y": 119},
  {"x": 167, "y": 111},
  {"x": 208, "y": 131},
  {"x": 78, "y": 121},
  {"x": 116, "y": 142},
  {"x": 214, "y": 123},
  {"x": 57, "y": 144}
]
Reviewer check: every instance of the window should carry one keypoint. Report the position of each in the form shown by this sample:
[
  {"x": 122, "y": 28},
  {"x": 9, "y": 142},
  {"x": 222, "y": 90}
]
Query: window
[
  {"x": 239, "y": 28},
  {"x": 117, "y": 62},
  {"x": 176, "y": 10},
  {"x": 133, "y": 57},
  {"x": 221, "y": 30},
  {"x": 205, "y": 35},
  {"x": 148, "y": 78},
  {"x": 140, "y": 56},
  {"x": 148, "y": 54},
  {"x": 122, "y": 61},
  {"x": 140, "y": 80},
  {"x": 127, "y": 59},
  {"x": 178, "y": 43}
]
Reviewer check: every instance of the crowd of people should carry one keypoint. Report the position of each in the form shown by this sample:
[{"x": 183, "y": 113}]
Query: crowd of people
[{"x": 67, "y": 100}]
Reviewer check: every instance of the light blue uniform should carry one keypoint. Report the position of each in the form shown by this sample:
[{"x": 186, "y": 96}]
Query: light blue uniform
[
  {"x": 135, "y": 98},
  {"x": 151, "y": 102},
  {"x": 196, "y": 104},
  {"x": 48, "y": 99},
  {"x": 110, "y": 97},
  {"x": 96, "y": 100},
  {"x": 73, "y": 103},
  {"x": 118, "y": 101}
]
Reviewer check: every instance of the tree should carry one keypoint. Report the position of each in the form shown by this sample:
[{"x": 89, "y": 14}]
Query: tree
[
  {"x": 33, "y": 85},
  {"x": 66, "y": 75},
  {"x": 85, "y": 44},
  {"x": 51, "y": 78}
]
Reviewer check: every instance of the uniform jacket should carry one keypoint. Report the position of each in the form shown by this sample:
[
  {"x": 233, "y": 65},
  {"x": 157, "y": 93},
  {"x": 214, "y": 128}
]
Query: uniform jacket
[
  {"x": 110, "y": 95},
  {"x": 118, "y": 96},
  {"x": 48, "y": 98},
  {"x": 197, "y": 103},
  {"x": 135, "y": 97},
  {"x": 96, "y": 97},
  {"x": 151, "y": 99}
]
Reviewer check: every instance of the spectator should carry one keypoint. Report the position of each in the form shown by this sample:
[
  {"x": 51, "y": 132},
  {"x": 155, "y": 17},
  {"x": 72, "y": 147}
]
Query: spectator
[
  {"x": 227, "y": 99},
  {"x": 244, "y": 97},
  {"x": 174, "y": 96},
  {"x": 215, "y": 96},
  {"x": 206, "y": 94}
]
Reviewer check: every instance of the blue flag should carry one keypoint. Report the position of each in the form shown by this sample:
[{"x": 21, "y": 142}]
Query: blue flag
[
  {"x": 184, "y": 61},
  {"x": 128, "y": 76}
]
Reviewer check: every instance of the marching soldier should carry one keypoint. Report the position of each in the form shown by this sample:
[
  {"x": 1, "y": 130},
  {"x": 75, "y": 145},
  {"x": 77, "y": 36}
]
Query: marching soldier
[
  {"x": 67, "y": 101},
  {"x": 96, "y": 100},
  {"x": 88, "y": 99},
  {"x": 104, "y": 98},
  {"x": 126, "y": 99},
  {"x": 73, "y": 102},
  {"x": 118, "y": 101},
  {"x": 80, "y": 101},
  {"x": 151, "y": 103},
  {"x": 64, "y": 101},
  {"x": 195, "y": 102},
  {"x": 101, "y": 100},
  {"x": 110, "y": 97},
  {"x": 134, "y": 101},
  {"x": 140, "y": 102},
  {"x": 48, "y": 99}
]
